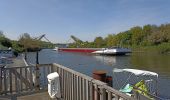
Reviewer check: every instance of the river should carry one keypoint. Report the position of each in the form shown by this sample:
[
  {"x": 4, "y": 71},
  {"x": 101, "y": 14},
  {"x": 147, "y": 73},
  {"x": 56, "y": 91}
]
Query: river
[{"x": 87, "y": 63}]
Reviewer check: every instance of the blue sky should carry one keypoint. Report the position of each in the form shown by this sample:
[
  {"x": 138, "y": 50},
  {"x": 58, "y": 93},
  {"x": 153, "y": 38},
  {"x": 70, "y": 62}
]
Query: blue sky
[{"x": 85, "y": 19}]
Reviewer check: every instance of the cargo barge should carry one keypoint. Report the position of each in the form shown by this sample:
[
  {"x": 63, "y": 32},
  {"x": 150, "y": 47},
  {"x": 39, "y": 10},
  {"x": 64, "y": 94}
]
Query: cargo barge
[
  {"x": 84, "y": 50},
  {"x": 99, "y": 51}
]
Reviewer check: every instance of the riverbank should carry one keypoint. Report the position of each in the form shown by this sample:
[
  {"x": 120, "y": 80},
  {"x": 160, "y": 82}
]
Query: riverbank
[{"x": 161, "y": 49}]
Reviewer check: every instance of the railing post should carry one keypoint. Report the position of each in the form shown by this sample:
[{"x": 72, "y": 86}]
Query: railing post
[
  {"x": 109, "y": 95},
  {"x": 5, "y": 80},
  {"x": 10, "y": 79},
  {"x": 37, "y": 73},
  {"x": 1, "y": 79},
  {"x": 103, "y": 93},
  {"x": 37, "y": 84}
]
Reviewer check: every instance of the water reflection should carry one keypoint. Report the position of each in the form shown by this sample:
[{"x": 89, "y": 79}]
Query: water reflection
[
  {"x": 153, "y": 62},
  {"x": 115, "y": 61},
  {"x": 109, "y": 60}
]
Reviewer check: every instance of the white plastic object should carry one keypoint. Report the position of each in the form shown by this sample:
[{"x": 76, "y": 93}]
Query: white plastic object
[{"x": 54, "y": 85}]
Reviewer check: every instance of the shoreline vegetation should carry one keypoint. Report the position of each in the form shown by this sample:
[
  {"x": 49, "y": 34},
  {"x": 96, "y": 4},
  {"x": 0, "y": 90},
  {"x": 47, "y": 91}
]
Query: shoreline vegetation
[{"x": 148, "y": 38}]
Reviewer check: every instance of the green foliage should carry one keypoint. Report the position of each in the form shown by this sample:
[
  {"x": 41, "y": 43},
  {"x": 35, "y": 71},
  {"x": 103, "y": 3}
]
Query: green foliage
[
  {"x": 110, "y": 40},
  {"x": 148, "y": 37},
  {"x": 17, "y": 47},
  {"x": 99, "y": 42},
  {"x": 29, "y": 43},
  {"x": 163, "y": 48},
  {"x": 5, "y": 41}
]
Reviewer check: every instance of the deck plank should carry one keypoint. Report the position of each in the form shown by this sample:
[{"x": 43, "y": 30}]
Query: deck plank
[{"x": 37, "y": 96}]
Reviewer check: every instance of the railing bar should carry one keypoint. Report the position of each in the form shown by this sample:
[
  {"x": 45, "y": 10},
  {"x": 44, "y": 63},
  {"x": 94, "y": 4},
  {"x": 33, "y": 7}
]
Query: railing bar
[
  {"x": 77, "y": 87},
  {"x": 103, "y": 93},
  {"x": 5, "y": 80},
  {"x": 87, "y": 90},
  {"x": 64, "y": 84},
  {"x": 83, "y": 90},
  {"x": 10, "y": 79},
  {"x": 72, "y": 86},
  {"x": 31, "y": 78},
  {"x": 16, "y": 83},
  {"x": 44, "y": 77},
  {"x": 1, "y": 69},
  {"x": 48, "y": 70},
  {"x": 67, "y": 94},
  {"x": 116, "y": 97},
  {"x": 68, "y": 84},
  {"x": 95, "y": 92},
  {"x": 91, "y": 91},
  {"x": 21, "y": 85},
  {"x": 80, "y": 87},
  {"x": 57, "y": 69},
  {"x": 26, "y": 77},
  {"x": 52, "y": 69},
  {"x": 109, "y": 95}
]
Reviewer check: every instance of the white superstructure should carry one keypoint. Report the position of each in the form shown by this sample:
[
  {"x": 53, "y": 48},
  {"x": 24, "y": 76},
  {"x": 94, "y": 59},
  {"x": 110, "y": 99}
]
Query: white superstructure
[{"x": 113, "y": 51}]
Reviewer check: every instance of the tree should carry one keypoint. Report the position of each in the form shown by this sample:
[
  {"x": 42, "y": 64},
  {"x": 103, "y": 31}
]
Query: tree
[
  {"x": 5, "y": 41},
  {"x": 111, "y": 40},
  {"x": 159, "y": 34},
  {"x": 137, "y": 35},
  {"x": 124, "y": 38},
  {"x": 99, "y": 42},
  {"x": 28, "y": 42}
]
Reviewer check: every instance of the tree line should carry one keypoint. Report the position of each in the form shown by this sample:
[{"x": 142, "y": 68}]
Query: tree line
[
  {"x": 146, "y": 36},
  {"x": 24, "y": 43}
]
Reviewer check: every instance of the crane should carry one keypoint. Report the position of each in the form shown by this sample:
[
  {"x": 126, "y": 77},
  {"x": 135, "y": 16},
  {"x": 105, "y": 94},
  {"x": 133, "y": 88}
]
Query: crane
[
  {"x": 77, "y": 41},
  {"x": 42, "y": 36}
]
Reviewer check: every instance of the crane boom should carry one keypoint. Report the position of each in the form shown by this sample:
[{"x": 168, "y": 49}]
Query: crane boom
[
  {"x": 42, "y": 36},
  {"x": 77, "y": 40}
]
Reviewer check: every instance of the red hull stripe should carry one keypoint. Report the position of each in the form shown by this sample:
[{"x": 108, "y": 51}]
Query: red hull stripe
[{"x": 77, "y": 50}]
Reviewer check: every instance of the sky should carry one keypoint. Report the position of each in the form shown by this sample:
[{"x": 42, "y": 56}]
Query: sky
[{"x": 85, "y": 19}]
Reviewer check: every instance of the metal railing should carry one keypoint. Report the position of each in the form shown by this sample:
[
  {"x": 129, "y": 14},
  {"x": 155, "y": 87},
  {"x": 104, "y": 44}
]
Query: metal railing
[
  {"x": 21, "y": 80},
  {"x": 74, "y": 85},
  {"x": 77, "y": 86}
]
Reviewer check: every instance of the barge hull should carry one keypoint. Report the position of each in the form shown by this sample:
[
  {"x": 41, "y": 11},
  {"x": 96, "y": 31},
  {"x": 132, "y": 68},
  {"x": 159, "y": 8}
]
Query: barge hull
[{"x": 85, "y": 50}]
